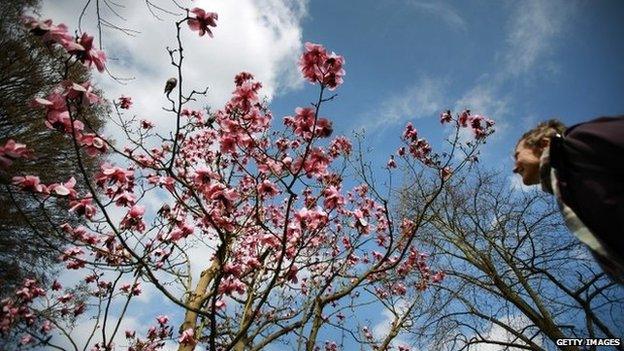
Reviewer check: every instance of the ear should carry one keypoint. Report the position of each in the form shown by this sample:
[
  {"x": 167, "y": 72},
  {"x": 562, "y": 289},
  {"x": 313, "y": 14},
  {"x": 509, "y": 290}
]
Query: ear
[{"x": 544, "y": 143}]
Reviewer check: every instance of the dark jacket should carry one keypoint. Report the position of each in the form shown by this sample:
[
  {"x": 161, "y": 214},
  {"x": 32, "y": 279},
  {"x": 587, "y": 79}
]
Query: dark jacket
[{"x": 589, "y": 160}]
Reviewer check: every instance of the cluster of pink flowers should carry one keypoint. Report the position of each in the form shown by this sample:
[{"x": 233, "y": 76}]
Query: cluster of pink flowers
[
  {"x": 306, "y": 125},
  {"x": 19, "y": 308},
  {"x": 195, "y": 114},
  {"x": 125, "y": 102},
  {"x": 154, "y": 340},
  {"x": 33, "y": 183},
  {"x": 419, "y": 148},
  {"x": 239, "y": 184},
  {"x": 243, "y": 118},
  {"x": 320, "y": 67},
  {"x": 480, "y": 125},
  {"x": 134, "y": 219},
  {"x": 11, "y": 151},
  {"x": 58, "y": 114},
  {"x": 202, "y": 21},
  {"x": 82, "y": 47},
  {"x": 86, "y": 53}
]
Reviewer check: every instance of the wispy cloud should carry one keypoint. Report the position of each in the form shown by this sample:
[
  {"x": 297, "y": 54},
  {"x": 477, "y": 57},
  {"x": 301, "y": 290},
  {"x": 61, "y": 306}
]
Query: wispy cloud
[
  {"x": 533, "y": 29},
  {"x": 444, "y": 12},
  {"x": 422, "y": 99}
]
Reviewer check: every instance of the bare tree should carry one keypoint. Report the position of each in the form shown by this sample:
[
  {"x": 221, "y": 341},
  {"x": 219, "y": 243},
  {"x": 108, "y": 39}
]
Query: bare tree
[{"x": 515, "y": 277}]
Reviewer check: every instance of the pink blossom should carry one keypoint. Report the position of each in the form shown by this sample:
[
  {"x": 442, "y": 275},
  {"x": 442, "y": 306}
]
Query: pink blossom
[
  {"x": 57, "y": 116},
  {"x": 399, "y": 288},
  {"x": 31, "y": 183},
  {"x": 246, "y": 95},
  {"x": 340, "y": 145},
  {"x": 50, "y": 33},
  {"x": 318, "y": 66},
  {"x": 315, "y": 164},
  {"x": 438, "y": 277},
  {"x": 311, "y": 219},
  {"x": 333, "y": 198},
  {"x": 182, "y": 230},
  {"x": 136, "y": 289},
  {"x": 83, "y": 92},
  {"x": 242, "y": 77},
  {"x": 145, "y": 124},
  {"x": 83, "y": 207},
  {"x": 302, "y": 123},
  {"x": 56, "y": 286},
  {"x": 361, "y": 224},
  {"x": 11, "y": 151},
  {"x": 87, "y": 54},
  {"x": 291, "y": 275},
  {"x": 125, "y": 288},
  {"x": 162, "y": 319},
  {"x": 130, "y": 334},
  {"x": 202, "y": 21},
  {"x": 219, "y": 192},
  {"x": 125, "y": 199},
  {"x": 323, "y": 128},
  {"x": 230, "y": 285},
  {"x": 64, "y": 189},
  {"x": 481, "y": 126},
  {"x": 391, "y": 162},
  {"x": 69, "y": 256},
  {"x": 65, "y": 298},
  {"x": 187, "y": 337},
  {"x": 463, "y": 118},
  {"x": 446, "y": 117},
  {"x": 113, "y": 174},
  {"x": 93, "y": 144},
  {"x": 410, "y": 132},
  {"x": 203, "y": 175},
  {"x": 79, "y": 309},
  {"x": 266, "y": 188},
  {"x": 46, "y": 327},
  {"x": 134, "y": 219},
  {"x": 26, "y": 339},
  {"x": 125, "y": 102},
  {"x": 446, "y": 173},
  {"x": 220, "y": 304}
]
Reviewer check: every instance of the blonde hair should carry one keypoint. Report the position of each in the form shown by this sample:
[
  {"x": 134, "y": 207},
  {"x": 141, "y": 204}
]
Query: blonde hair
[{"x": 543, "y": 130}]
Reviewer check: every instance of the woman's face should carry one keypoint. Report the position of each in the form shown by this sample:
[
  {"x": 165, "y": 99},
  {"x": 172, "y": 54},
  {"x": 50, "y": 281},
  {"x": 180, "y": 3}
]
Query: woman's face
[{"x": 527, "y": 163}]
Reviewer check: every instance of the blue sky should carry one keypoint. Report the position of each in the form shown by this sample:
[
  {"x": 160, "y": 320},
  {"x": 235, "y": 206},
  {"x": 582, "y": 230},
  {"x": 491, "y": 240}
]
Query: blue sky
[{"x": 518, "y": 62}]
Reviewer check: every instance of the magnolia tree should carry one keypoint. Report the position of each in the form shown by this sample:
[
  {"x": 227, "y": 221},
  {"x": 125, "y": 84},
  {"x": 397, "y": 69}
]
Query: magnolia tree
[{"x": 289, "y": 253}]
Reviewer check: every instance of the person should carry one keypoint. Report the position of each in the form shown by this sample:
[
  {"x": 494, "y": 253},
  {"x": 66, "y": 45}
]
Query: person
[{"x": 583, "y": 166}]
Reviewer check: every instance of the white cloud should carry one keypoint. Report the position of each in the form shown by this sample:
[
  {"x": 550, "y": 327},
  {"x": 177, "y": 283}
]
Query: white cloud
[
  {"x": 534, "y": 28},
  {"x": 444, "y": 12},
  {"x": 423, "y": 99},
  {"x": 85, "y": 326},
  {"x": 261, "y": 37},
  {"x": 498, "y": 333},
  {"x": 382, "y": 328}
]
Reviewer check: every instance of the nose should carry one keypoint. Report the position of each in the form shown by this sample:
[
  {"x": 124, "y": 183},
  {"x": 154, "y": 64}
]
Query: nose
[{"x": 516, "y": 168}]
